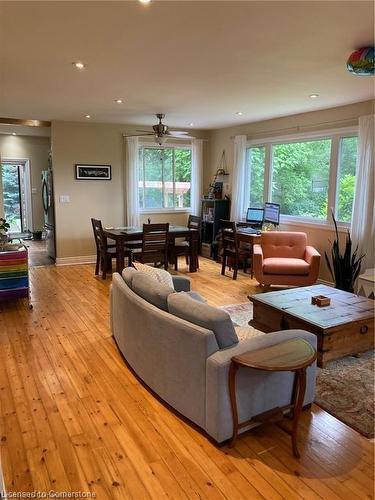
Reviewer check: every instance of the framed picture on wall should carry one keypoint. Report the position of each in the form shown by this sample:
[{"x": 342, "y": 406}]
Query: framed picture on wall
[{"x": 84, "y": 172}]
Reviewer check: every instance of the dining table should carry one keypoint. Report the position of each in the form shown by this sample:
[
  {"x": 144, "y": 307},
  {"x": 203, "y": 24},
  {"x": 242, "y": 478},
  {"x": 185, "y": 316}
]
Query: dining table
[{"x": 122, "y": 235}]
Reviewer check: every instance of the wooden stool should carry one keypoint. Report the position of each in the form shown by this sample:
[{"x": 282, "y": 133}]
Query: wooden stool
[{"x": 293, "y": 355}]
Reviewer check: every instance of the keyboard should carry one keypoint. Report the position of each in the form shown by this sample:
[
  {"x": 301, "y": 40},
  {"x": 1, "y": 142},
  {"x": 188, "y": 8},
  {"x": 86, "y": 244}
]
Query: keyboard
[{"x": 248, "y": 230}]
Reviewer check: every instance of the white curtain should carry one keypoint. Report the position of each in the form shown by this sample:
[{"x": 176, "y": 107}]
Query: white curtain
[
  {"x": 363, "y": 219},
  {"x": 131, "y": 182},
  {"x": 238, "y": 201},
  {"x": 196, "y": 176}
]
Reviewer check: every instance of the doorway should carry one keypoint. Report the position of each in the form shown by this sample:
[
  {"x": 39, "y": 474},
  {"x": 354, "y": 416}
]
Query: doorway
[{"x": 15, "y": 177}]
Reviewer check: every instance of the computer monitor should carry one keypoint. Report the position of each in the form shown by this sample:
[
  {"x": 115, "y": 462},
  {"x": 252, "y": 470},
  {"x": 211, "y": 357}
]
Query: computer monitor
[
  {"x": 272, "y": 213},
  {"x": 254, "y": 216}
]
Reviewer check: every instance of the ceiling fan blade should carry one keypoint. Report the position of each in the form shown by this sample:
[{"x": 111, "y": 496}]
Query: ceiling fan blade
[
  {"x": 187, "y": 137},
  {"x": 138, "y": 135},
  {"x": 148, "y": 131},
  {"x": 177, "y": 132}
]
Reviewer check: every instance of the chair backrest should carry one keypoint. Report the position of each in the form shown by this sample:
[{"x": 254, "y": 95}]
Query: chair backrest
[
  {"x": 284, "y": 244},
  {"x": 229, "y": 235},
  {"x": 100, "y": 238},
  {"x": 155, "y": 240},
  {"x": 194, "y": 222}
]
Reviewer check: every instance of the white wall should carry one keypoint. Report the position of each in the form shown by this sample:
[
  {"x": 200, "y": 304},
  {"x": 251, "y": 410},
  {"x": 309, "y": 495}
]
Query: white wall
[
  {"x": 324, "y": 119},
  {"x": 97, "y": 143},
  {"x": 36, "y": 150}
]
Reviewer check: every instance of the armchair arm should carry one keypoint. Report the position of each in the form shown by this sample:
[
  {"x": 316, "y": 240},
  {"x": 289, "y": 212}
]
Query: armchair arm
[
  {"x": 258, "y": 261},
  {"x": 257, "y": 391},
  {"x": 181, "y": 283},
  {"x": 312, "y": 256}
]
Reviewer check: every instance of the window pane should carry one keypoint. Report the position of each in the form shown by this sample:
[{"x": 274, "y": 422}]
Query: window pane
[
  {"x": 182, "y": 177},
  {"x": 300, "y": 178},
  {"x": 168, "y": 177},
  {"x": 140, "y": 178},
  {"x": 256, "y": 163},
  {"x": 153, "y": 171},
  {"x": 346, "y": 178},
  {"x": 11, "y": 196}
]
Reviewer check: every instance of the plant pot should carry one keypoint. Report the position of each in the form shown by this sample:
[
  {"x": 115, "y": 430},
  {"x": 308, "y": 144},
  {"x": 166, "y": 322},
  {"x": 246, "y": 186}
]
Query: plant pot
[{"x": 37, "y": 235}]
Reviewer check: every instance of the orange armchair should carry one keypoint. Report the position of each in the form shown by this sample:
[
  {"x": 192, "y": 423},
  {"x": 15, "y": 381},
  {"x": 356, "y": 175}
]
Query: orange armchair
[{"x": 284, "y": 258}]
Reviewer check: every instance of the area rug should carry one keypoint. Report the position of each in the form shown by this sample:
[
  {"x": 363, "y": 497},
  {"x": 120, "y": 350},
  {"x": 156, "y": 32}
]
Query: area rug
[{"x": 345, "y": 388}]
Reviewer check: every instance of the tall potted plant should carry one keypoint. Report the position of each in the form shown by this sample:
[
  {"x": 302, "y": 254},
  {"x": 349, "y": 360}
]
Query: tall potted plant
[{"x": 346, "y": 266}]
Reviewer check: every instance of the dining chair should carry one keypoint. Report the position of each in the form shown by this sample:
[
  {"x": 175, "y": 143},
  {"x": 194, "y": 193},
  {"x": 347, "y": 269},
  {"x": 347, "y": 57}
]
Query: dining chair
[
  {"x": 231, "y": 250},
  {"x": 105, "y": 252},
  {"x": 183, "y": 247},
  {"x": 155, "y": 239}
]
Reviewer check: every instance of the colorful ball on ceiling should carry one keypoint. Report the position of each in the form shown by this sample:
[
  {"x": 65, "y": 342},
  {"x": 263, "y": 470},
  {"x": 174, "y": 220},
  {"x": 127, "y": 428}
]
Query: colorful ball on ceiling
[{"x": 361, "y": 62}]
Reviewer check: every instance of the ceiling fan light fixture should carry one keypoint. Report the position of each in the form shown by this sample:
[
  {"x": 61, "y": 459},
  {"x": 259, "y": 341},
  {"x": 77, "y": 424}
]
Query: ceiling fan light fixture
[{"x": 160, "y": 139}]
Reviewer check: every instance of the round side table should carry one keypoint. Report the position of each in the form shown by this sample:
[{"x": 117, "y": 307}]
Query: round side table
[{"x": 294, "y": 355}]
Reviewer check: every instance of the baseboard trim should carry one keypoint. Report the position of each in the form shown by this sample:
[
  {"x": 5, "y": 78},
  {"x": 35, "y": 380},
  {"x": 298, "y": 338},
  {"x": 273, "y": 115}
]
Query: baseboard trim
[
  {"x": 324, "y": 282},
  {"x": 71, "y": 261}
]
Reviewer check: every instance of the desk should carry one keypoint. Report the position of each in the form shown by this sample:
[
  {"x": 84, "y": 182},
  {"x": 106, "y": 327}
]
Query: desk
[
  {"x": 124, "y": 234},
  {"x": 251, "y": 239}
]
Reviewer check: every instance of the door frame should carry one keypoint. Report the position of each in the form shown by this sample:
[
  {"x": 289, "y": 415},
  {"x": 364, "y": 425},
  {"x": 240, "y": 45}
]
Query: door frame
[{"x": 25, "y": 162}]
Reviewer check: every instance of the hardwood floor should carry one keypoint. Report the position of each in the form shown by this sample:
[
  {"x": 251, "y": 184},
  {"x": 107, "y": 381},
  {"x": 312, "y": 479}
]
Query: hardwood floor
[{"x": 75, "y": 418}]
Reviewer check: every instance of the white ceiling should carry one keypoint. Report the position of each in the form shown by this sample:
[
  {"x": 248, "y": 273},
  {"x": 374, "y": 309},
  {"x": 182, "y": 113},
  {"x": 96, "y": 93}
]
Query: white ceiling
[{"x": 197, "y": 61}]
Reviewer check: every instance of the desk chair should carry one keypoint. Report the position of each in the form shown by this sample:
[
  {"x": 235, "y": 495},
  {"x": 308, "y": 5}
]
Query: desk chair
[{"x": 231, "y": 249}]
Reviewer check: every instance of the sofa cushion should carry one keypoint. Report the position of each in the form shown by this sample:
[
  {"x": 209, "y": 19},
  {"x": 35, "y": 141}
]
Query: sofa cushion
[
  {"x": 196, "y": 296},
  {"x": 161, "y": 275},
  {"x": 288, "y": 266},
  {"x": 127, "y": 275},
  {"x": 204, "y": 315},
  {"x": 150, "y": 289}
]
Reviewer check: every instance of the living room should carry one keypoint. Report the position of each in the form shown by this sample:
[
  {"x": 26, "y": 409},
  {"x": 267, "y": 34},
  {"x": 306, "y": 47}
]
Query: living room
[{"x": 262, "y": 105}]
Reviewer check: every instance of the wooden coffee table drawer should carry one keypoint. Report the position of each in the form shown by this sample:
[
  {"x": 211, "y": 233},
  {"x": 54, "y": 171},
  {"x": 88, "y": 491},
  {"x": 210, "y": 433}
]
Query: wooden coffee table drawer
[{"x": 352, "y": 338}]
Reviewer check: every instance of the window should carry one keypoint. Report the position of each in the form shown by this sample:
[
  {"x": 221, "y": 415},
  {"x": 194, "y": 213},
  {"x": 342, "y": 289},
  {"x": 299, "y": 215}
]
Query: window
[
  {"x": 346, "y": 178},
  {"x": 164, "y": 178},
  {"x": 300, "y": 178},
  {"x": 305, "y": 176},
  {"x": 256, "y": 158}
]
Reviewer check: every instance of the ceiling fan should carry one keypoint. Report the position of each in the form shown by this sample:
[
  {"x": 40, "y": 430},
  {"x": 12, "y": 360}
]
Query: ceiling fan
[{"x": 161, "y": 132}]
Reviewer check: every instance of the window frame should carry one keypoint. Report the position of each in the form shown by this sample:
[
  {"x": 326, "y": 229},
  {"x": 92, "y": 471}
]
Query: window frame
[
  {"x": 163, "y": 210},
  {"x": 335, "y": 135}
]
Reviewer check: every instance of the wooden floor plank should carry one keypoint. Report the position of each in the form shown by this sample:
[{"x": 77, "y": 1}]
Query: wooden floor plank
[{"x": 74, "y": 417}]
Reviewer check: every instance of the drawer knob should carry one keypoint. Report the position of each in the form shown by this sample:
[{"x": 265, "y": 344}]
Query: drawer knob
[{"x": 363, "y": 329}]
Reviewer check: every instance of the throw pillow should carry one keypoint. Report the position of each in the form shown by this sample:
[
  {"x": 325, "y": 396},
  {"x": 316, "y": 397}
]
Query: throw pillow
[
  {"x": 161, "y": 275},
  {"x": 151, "y": 290},
  {"x": 204, "y": 315},
  {"x": 127, "y": 275}
]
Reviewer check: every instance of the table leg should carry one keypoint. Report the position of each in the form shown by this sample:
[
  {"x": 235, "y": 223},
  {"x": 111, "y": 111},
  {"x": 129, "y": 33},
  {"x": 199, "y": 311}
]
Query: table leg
[
  {"x": 119, "y": 255},
  {"x": 193, "y": 251},
  {"x": 299, "y": 395},
  {"x": 233, "y": 402}
]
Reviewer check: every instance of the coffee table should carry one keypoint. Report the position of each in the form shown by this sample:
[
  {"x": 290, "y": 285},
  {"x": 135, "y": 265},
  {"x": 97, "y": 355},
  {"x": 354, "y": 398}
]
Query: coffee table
[{"x": 343, "y": 328}]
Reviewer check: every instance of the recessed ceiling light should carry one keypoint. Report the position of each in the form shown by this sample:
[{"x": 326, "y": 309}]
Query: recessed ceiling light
[
  {"x": 191, "y": 124},
  {"x": 239, "y": 113},
  {"x": 119, "y": 101},
  {"x": 87, "y": 116},
  {"x": 313, "y": 96},
  {"x": 13, "y": 133},
  {"x": 79, "y": 65},
  {"x": 145, "y": 1}
]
